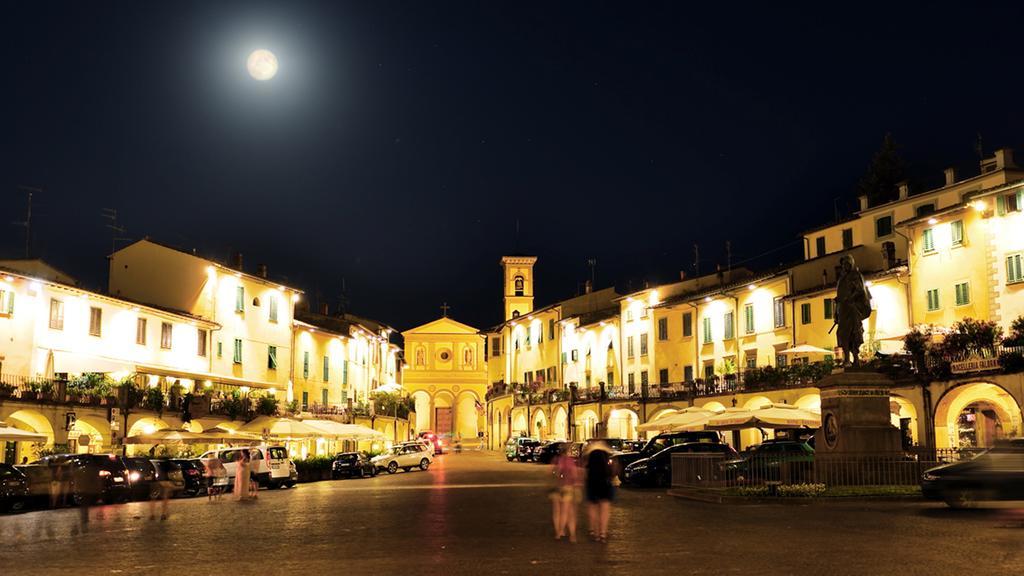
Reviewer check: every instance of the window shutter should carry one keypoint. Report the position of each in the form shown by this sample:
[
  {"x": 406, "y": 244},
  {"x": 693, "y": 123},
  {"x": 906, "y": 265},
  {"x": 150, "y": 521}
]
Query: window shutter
[
  {"x": 958, "y": 232},
  {"x": 10, "y": 302},
  {"x": 1001, "y": 205},
  {"x": 929, "y": 244}
]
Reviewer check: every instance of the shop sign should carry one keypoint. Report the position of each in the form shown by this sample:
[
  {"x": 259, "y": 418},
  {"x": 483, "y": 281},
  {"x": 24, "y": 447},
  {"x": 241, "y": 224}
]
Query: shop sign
[{"x": 974, "y": 363}]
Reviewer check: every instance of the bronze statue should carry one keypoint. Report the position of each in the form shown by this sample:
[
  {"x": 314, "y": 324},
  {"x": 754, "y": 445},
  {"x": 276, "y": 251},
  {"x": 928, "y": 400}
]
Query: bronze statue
[{"x": 853, "y": 306}]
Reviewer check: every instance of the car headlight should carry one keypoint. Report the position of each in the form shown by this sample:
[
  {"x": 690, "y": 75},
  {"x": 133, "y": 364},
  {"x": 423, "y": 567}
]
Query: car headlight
[{"x": 134, "y": 476}]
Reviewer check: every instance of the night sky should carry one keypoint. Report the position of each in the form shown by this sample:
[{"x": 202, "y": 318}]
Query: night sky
[{"x": 401, "y": 142}]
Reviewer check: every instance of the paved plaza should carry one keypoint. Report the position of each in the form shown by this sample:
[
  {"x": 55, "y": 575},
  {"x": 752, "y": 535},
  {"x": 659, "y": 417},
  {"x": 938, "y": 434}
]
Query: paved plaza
[{"x": 474, "y": 513}]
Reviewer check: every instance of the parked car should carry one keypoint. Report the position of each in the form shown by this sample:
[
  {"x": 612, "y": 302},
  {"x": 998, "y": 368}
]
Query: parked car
[
  {"x": 142, "y": 478},
  {"x": 546, "y": 452},
  {"x": 113, "y": 475},
  {"x": 352, "y": 465},
  {"x": 616, "y": 444},
  {"x": 656, "y": 470},
  {"x": 658, "y": 443},
  {"x": 39, "y": 477},
  {"x": 524, "y": 452},
  {"x": 996, "y": 474},
  {"x": 436, "y": 444},
  {"x": 13, "y": 488},
  {"x": 406, "y": 457},
  {"x": 513, "y": 446},
  {"x": 193, "y": 471},
  {"x": 766, "y": 460},
  {"x": 270, "y": 465}
]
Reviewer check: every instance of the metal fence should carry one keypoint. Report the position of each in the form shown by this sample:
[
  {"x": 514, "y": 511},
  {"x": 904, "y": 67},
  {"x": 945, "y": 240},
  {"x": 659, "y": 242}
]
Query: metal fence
[{"x": 716, "y": 471}]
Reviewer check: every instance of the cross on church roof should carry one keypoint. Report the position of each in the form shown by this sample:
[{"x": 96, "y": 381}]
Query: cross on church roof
[{"x": 444, "y": 309}]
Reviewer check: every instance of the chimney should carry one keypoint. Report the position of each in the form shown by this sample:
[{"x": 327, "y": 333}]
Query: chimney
[
  {"x": 1004, "y": 158},
  {"x": 262, "y": 270},
  {"x": 682, "y": 275},
  {"x": 863, "y": 198},
  {"x": 950, "y": 175},
  {"x": 889, "y": 255},
  {"x": 325, "y": 309},
  {"x": 238, "y": 261},
  {"x": 904, "y": 188},
  {"x": 588, "y": 287}
]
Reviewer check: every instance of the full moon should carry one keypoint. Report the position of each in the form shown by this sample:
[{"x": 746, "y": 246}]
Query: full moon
[{"x": 262, "y": 64}]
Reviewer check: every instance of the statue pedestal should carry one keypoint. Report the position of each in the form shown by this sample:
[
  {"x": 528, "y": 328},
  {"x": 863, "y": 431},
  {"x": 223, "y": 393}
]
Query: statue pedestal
[{"x": 855, "y": 416}]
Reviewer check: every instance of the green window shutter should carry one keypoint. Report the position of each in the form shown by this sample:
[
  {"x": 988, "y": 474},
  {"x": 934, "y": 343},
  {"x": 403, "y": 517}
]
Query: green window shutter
[
  {"x": 240, "y": 299},
  {"x": 957, "y": 229},
  {"x": 728, "y": 326},
  {"x": 963, "y": 294},
  {"x": 1020, "y": 199},
  {"x": 327, "y": 369},
  {"x": 563, "y": 358},
  {"x": 323, "y": 396},
  {"x": 305, "y": 364},
  {"x": 707, "y": 330},
  {"x": 828, "y": 308},
  {"x": 1013, "y": 268},
  {"x": 10, "y": 303},
  {"x": 929, "y": 242},
  {"x": 238, "y": 351},
  {"x": 748, "y": 314},
  {"x": 1001, "y": 205},
  {"x": 933, "y": 299},
  {"x": 272, "y": 357},
  {"x": 805, "y": 313},
  {"x": 344, "y": 372}
]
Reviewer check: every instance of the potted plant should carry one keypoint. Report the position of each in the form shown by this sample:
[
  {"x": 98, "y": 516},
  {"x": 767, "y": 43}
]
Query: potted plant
[{"x": 6, "y": 390}]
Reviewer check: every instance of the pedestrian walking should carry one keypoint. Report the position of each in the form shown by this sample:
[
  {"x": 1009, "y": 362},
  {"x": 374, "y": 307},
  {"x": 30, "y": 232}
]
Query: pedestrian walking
[
  {"x": 169, "y": 474},
  {"x": 565, "y": 494},
  {"x": 600, "y": 489},
  {"x": 87, "y": 490}
]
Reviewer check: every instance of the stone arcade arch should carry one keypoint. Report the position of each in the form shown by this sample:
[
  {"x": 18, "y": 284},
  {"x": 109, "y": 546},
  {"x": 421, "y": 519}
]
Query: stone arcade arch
[{"x": 975, "y": 414}]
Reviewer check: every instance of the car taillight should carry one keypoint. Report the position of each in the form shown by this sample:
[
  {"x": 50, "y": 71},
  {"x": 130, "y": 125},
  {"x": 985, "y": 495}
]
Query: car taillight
[
  {"x": 192, "y": 472},
  {"x": 104, "y": 473}
]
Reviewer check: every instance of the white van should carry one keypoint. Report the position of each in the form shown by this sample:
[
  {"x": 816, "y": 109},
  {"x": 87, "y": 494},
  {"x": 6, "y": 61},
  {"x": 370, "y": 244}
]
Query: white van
[{"x": 271, "y": 466}]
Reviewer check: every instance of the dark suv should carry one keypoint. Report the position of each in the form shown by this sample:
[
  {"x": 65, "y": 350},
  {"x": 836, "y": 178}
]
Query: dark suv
[
  {"x": 352, "y": 465},
  {"x": 659, "y": 443},
  {"x": 13, "y": 488},
  {"x": 142, "y": 478},
  {"x": 657, "y": 470}
]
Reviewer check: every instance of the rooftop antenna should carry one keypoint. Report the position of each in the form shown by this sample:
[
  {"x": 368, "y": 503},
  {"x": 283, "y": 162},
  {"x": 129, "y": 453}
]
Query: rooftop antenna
[
  {"x": 27, "y": 223},
  {"x": 115, "y": 229},
  {"x": 728, "y": 256},
  {"x": 343, "y": 298},
  {"x": 592, "y": 263},
  {"x": 696, "y": 259},
  {"x": 979, "y": 147}
]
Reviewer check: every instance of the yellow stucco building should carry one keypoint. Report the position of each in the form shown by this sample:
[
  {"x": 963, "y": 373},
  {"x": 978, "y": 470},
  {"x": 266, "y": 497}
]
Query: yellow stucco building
[{"x": 446, "y": 375}]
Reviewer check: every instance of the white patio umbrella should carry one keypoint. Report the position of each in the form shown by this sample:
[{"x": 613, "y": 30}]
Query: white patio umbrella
[
  {"x": 280, "y": 427},
  {"x": 767, "y": 416},
  {"x": 337, "y": 430},
  {"x": 389, "y": 388},
  {"x": 805, "y": 349},
  {"x": 164, "y": 436},
  {"x": 11, "y": 434},
  {"x": 691, "y": 418},
  {"x": 218, "y": 435}
]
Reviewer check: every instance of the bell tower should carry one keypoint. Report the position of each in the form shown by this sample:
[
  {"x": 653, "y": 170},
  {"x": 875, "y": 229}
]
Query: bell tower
[{"x": 518, "y": 285}]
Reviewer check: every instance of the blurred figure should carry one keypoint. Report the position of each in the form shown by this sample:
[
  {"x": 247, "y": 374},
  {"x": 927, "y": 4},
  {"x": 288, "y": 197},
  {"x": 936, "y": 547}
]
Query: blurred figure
[
  {"x": 87, "y": 489},
  {"x": 168, "y": 475},
  {"x": 56, "y": 485},
  {"x": 565, "y": 494},
  {"x": 600, "y": 490},
  {"x": 216, "y": 478}
]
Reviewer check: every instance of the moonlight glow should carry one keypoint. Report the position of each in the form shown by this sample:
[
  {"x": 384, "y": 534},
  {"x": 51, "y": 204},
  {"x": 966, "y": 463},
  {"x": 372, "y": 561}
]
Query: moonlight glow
[{"x": 262, "y": 64}]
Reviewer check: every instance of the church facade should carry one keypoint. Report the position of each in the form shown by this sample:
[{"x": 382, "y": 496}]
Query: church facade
[{"x": 446, "y": 375}]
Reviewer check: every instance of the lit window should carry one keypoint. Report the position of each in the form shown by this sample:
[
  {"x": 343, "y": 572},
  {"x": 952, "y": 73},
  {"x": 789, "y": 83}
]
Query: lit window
[
  {"x": 6, "y": 303},
  {"x": 963, "y": 293},
  {"x": 933, "y": 299},
  {"x": 165, "y": 335},
  {"x": 956, "y": 229},
  {"x": 95, "y": 321},
  {"x": 1014, "y": 272},
  {"x": 1009, "y": 203},
  {"x": 56, "y": 314}
]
